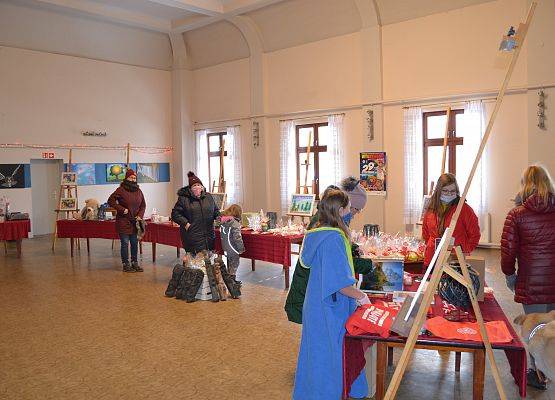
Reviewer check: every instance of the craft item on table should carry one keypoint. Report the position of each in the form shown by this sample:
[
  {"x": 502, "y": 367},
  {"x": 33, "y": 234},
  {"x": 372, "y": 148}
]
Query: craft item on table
[
  {"x": 385, "y": 245},
  {"x": 245, "y": 218},
  {"x": 387, "y": 276},
  {"x": 89, "y": 212},
  {"x": 371, "y": 318},
  {"x": 453, "y": 291},
  {"x": 272, "y": 219},
  {"x": 255, "y": 223},
  {"x": 263, "y": 221},
  {"x": 440, "y": 327},
  {"x": 289, "y": 230},
  {"x": 407, "y": 279},
  {"x": 16, "y": 216},
  {"x": 102, "y": 211}
]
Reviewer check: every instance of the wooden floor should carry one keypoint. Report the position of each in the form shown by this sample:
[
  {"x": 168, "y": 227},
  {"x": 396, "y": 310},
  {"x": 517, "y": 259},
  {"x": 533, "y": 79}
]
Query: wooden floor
[{"x": 81, "y": 329}]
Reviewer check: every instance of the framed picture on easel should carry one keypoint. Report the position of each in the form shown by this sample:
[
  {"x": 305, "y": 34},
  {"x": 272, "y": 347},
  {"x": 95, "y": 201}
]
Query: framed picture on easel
[
  {"x": 302, "y": 205},
  {"x": 220, "y": 200},
  {"x": 69, "y": 179},
  {"x": 68, "y": 204}
]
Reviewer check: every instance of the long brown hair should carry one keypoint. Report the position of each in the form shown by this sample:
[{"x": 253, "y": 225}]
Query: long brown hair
[
  {"x": 444, "y": 180},
  {"x": 328, "y": 210},
  {"x": 233, "y": 210},
  {"x": 536, "y": 180}
]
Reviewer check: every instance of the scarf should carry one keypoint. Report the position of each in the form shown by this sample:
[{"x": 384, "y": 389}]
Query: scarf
[{"x": 129, "y": 186}]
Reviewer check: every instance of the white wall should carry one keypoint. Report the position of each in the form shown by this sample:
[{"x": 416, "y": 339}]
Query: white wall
[{"x": 50, "y": 99}]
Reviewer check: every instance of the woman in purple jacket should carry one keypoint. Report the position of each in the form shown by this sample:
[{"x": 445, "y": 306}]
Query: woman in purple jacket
[{"x": 129, "y": 202}]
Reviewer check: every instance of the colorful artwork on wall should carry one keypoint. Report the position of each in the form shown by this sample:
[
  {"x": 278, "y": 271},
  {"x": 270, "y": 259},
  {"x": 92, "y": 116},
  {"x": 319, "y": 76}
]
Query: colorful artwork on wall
[
  {"x": 115, "y": 172},
  {"x": 148, "y": 172},
  {"x": 373, "y": 172},
  {"x": 12, "y": 176},
  {"x": 86, "y": 173}
]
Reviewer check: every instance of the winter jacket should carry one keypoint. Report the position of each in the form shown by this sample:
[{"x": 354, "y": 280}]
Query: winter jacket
[
  {"x": 200, "y": 213},
  {"x": 529, "y": 237},
  {"x": 232, "y": 240},
  {"x": 297, "y": 291},
  {"x": 466, "y": 233},
  {"x": 134, "y": 201}
]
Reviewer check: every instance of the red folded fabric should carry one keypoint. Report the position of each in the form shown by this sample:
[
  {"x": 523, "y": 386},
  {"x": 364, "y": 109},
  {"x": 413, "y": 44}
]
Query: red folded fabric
[
  {"x": 371, "y": 318},
  {"x": 440, "y": 327}
]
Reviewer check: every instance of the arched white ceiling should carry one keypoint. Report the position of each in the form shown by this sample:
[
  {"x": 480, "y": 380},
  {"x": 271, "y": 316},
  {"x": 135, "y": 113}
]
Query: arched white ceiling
[
  {"x": 295, "y": 22},
  {"x": 215, "y": 44}
]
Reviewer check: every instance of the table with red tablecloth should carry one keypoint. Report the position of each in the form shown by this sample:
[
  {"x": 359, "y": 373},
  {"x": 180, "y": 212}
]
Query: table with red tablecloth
[
  {"x": 258, "y": 246},
  {"x": 267, "y": 247},
  {"x": 354, "y": 347},
  {"x": 16, "y": 230}
]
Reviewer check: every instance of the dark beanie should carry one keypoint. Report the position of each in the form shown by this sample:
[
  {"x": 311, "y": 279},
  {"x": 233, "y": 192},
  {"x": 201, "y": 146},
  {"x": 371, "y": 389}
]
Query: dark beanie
[
  {"x": 129, "y": 173},
  {"x": 193, "y": 179}
]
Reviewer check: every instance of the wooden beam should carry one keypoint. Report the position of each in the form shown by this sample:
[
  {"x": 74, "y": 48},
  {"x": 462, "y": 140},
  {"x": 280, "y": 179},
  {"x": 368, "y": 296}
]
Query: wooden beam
[{"x": 445, "y": 138}]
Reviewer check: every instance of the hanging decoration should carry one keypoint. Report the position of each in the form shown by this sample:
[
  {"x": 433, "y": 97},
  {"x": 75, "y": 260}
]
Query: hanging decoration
[
  {"x": 139, "y": 149},
  {"x": 541, "y": 109}
]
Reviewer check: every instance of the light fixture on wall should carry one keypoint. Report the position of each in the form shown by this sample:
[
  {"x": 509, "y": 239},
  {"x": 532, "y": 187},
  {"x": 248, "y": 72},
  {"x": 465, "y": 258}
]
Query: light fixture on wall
[
  {"x": 369, "y": 116},
  {"x": 541, "y": 109},
  {"x": 255, "y": 133}
]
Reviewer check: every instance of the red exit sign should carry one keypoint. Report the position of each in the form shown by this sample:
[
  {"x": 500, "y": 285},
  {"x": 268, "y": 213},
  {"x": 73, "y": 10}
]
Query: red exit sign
[{"x": 48, "y": 155}]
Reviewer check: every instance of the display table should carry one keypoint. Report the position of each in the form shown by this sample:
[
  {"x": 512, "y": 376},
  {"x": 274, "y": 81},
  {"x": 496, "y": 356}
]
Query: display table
[
  {"x": 15, "y": 231},
  {"x": 354, "y": 347},
  {"x": 266, "y": 247},
  {"x": 263, "y": 247}
]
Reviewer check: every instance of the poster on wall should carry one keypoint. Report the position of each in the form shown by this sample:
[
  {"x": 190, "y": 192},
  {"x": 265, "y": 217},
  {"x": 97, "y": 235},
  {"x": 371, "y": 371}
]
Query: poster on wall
[
  {"x": 86, "y": 174},
  {"x": 148, "y": 173},
  {"x": 373, "y": 167},
  {"x": 115, "y": 172},
  {"x": 12, "y": 176}
]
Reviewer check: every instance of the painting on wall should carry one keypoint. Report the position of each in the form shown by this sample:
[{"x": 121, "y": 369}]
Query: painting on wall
[
  {"x": 86, "y": 174},
  {"x": 373, "y": 168},
  {"x": 148, "y": 173},
  {"x": 115, "y": 172},
  {"x": 12, "y": 176}
]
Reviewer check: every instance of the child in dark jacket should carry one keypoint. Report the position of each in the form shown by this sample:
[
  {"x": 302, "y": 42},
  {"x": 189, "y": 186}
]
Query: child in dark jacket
[{"x": 232, "y": 241}]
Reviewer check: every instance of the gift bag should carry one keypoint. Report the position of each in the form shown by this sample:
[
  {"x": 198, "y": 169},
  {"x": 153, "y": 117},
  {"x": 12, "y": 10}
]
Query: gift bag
[{"x": 371, "y": 318}]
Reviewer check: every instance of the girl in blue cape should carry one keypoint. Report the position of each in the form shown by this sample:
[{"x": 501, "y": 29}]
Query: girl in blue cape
[{"x": 330, "y": 299}]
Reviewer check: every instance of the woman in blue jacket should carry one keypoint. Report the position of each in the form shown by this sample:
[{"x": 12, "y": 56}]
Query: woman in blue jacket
[{"x": 330, "y": 299}]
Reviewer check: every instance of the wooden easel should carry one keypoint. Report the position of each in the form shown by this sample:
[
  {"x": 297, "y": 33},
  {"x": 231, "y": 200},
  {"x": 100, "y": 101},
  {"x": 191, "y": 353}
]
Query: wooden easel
[
  {"x": 306, "y": 187},
  {"x": 221, "y": 179},
  {"x": 65, "y": 191},
  {"x": 442, "y": 252},
  {"x": 445, "y": 138}
]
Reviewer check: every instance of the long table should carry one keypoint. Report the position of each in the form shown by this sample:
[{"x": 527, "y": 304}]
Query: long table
[
  {"x": 354, "y": 347},
  {"x": 259, "y": 246},
  {"x": 15, "y": 231}
]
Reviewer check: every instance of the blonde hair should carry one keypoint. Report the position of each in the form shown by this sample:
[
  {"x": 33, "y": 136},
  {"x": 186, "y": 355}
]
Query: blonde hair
[
  {"x": 536, "y": 180},
  {"x": 233, "y": 210}
]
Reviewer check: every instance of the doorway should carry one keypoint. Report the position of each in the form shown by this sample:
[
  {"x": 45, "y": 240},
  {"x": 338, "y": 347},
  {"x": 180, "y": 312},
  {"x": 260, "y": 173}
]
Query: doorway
[{"x": 46, "y": 180}]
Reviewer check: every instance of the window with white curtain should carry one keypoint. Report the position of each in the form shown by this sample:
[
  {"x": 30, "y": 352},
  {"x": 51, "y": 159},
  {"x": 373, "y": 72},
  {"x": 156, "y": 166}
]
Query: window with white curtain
[
  {"x": 424, "y": 132},
  {"x": 326, "y": 158},
  {"x": 208, "y": 148}
]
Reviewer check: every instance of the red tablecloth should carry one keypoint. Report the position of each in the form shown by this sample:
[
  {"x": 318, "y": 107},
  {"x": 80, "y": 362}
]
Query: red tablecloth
[
  {"x": 72, "y": 228},
  {"x": 265, "y": 247},
  {"x": 15, "y": 230},
  {"x": 163, "y": 233},
  {"x": 354, "y": 347}
]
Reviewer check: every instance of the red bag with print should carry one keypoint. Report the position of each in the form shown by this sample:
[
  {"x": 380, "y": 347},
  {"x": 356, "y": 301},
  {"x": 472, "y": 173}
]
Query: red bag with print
[
  {"x": 371, "y": 318},
  {"x": 440, "y": 327}
]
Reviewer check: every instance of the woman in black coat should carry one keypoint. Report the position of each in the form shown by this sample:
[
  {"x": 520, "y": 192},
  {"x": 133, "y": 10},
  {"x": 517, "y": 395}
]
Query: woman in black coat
[{"x": 195, "y": 212}]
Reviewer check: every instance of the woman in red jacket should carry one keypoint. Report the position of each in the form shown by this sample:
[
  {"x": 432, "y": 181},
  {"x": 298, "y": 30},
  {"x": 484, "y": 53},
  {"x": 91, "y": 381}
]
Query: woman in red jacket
[
  {"x": 529, "y": 238},
  {"x": 438, "y": 217},
  {"x": 129, "y": 202}
]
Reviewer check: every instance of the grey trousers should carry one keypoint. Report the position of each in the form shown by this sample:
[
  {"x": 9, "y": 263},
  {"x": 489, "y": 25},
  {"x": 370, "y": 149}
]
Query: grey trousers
[
  {"x": 233, "y": 263},
  {"x": 537, "y": 308}
]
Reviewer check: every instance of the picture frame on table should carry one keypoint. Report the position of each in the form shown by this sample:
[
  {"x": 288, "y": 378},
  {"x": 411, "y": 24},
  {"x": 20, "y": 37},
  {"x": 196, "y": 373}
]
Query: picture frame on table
[
  {"x": 220, "y": 199},
  {"x": 302, "y": 205},
  {"x": 69, "y": 179},
  {"x": 68, "y": 204},
  {"x": 387, "y": 276}
]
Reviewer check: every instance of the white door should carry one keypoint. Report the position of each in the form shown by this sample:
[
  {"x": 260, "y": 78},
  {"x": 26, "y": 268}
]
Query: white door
[{"x": 45, "y": 186}]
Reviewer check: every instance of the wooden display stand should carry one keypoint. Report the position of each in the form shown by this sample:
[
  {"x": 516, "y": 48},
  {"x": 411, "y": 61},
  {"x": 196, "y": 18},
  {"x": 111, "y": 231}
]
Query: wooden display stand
[
  {"x": 65, "y": 192},
  {"x": 442, "y": 253}
]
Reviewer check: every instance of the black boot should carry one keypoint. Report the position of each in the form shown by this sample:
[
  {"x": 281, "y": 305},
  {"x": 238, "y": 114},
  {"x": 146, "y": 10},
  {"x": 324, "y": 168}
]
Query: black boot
[
  {"x": 173, "y": 284},
  {"x": 127, "y": 267},
  {"x": 135, "y": 265}
]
